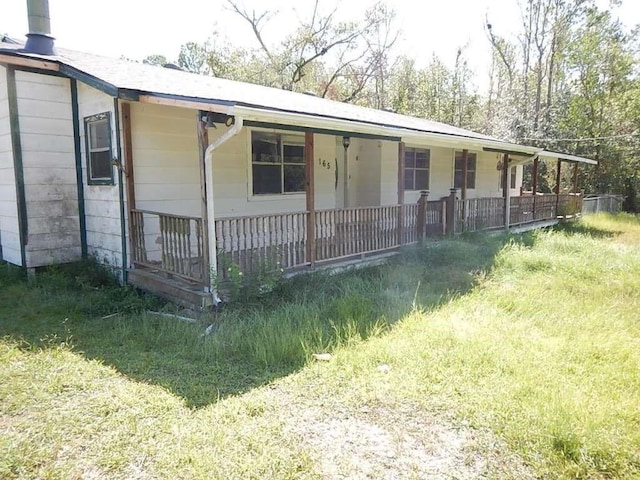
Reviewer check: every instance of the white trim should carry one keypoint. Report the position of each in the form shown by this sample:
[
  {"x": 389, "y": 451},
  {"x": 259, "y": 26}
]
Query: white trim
[{"x": 565, "y": 156}]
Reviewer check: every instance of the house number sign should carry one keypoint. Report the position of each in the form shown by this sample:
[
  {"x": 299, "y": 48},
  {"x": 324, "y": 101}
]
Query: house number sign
[{"x": 324, "y": 164}]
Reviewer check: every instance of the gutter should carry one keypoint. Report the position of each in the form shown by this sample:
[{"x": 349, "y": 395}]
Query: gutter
[{"x": 211, "y": 218}]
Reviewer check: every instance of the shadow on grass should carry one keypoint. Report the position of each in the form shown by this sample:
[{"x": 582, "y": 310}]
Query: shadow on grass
[{"x": 254, "y": 341}]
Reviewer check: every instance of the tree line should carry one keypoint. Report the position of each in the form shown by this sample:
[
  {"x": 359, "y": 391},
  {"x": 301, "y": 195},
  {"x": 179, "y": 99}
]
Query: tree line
[{"x": 569, "y": 82}]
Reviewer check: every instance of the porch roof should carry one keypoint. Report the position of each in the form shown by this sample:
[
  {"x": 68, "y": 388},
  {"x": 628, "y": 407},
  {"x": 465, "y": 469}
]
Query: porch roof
[
  {"x": 565, "y": 156},
  {"x": 152, "y": 84}
]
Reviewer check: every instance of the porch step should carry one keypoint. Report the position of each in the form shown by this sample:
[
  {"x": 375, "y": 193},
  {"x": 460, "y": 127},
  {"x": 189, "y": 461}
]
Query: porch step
[{"x": 173, "y": 289}]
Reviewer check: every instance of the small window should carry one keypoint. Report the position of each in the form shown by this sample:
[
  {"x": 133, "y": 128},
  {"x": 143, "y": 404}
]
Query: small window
[
  {"x": 97, "y": 130},
  {"x": 459, "y": 170},
  {"x": 512, "y": 181},
  {"x": 416, "y": 168},
  {"x": 277, "y": 163}
]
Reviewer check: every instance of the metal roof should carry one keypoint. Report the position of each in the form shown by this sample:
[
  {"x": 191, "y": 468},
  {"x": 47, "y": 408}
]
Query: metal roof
[
  {"x": 567, "y": 157},
  {"x": 133, "y": 80}
]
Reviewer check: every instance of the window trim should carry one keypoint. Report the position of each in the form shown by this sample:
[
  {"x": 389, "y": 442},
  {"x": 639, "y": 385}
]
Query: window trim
[
  {"x": 474, "y": 170},
  {"x": 414, "y": 168},
  {"x": 88, "y": 151},
  {"x": 271, "y": 196}
]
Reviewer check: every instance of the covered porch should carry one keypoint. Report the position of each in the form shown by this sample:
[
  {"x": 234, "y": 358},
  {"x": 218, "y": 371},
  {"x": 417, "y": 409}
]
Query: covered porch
[{"x": 355, "y": 200}]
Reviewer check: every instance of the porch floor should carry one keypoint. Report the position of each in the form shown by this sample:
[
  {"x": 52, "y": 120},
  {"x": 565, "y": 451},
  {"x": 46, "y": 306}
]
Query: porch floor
[{"x": 170, "y": 287}]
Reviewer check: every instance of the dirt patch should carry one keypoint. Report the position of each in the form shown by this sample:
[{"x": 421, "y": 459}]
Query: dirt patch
[{"x": 399, "y": 442}]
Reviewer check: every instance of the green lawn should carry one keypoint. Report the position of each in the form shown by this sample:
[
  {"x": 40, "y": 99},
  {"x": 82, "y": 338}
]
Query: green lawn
[{"x": 483, "y": 356}]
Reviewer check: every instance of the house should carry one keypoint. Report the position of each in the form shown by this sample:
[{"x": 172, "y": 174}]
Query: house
[{"x": 171, "y": 177}]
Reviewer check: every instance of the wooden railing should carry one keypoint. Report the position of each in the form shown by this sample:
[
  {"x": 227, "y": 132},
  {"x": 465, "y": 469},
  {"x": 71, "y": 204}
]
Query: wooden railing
[
  {"x": 169, "y": 243},
  {"x": 479, "y": 214},
  {"x": 262, "y": 242}
]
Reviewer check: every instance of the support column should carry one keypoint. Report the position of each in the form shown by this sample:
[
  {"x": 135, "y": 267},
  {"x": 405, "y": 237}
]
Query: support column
[
  {"x": 203, "y": 143},
  {"x": 400, "y": 191},
  {"x": 129, "y": 173},
  {"x": 421, "y": 224},
  {"x": 310, "y": 197},
  {"x": 535, "y": 184},
  {"x": 575, "y": 178},
  {"x": 451, "y": 212},
  {"x": 346, "y": 141},
  {"x": 463, "y": 193},
  {"x": 505, "y": 189},
  {"x": 557, "y": 190}
]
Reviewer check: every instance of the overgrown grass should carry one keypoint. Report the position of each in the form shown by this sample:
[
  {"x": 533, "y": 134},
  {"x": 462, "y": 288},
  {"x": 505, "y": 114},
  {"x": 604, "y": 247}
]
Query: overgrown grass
[{"x": 534, "y": 337}]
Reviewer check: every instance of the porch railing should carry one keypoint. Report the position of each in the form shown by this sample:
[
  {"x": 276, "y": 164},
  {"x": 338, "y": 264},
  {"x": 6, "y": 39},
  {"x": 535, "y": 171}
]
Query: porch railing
[
  {"x": 479, "y": 214},
  {"x": 168, "y": 243}
]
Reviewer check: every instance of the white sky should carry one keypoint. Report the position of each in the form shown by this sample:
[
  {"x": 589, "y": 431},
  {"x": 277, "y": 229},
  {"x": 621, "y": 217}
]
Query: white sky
[{"x": 137, "y": 28}]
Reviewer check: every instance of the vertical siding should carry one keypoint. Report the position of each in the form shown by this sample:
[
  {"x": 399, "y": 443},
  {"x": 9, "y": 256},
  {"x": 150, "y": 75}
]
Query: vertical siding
[
  {"x": 48, "y": 156},
  {"x": 9, "y": 229},
  {"x": 102, "y": 204}
]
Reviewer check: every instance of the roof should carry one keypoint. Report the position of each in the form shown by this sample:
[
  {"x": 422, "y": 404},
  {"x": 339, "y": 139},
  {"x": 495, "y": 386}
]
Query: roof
[
  {"x": 567, "y": 157},
  {"x": 132, "y": 80}
]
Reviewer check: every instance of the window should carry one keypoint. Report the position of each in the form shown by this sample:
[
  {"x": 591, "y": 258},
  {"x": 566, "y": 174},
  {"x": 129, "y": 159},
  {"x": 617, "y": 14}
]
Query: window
[
  {"x": 277, "y": 163},
  {"x": 416, "y": 168},
  {"x": 471, "y": 170},
  {"x": 97, "y": 130},
  {"x": 513, "y": 178}
]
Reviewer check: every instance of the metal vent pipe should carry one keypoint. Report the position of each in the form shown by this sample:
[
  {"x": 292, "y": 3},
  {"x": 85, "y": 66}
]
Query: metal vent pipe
[{"x": 39, "y": 39}]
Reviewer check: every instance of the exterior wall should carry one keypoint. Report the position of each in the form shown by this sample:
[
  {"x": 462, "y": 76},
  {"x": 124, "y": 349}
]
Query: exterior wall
[
  {"x": 232, "y": 178},
  {"x": 9, "y": 228},
  {"x": 48, "y": 156},
  {"x": 102, "y": 204},
  {"x": 367, "y": 167}
]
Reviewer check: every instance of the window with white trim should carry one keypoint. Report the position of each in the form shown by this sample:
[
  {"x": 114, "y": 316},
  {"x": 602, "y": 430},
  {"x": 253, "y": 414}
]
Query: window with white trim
[
  {"x": 459, "y": 170},
  {"x": 416, "y": 168},
  {"x": 97, "y": 130},
  {"x": 512, "y": 181},
  {"x": 277, "y": 163}
]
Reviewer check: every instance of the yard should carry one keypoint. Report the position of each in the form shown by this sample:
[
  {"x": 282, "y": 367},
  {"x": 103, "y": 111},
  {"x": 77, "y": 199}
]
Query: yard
[{"x": 483, "y": 356}]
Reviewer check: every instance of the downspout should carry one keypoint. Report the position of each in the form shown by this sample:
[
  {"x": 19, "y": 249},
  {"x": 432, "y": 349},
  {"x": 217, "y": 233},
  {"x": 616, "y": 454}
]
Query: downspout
[{"x": 211, "y": 218}]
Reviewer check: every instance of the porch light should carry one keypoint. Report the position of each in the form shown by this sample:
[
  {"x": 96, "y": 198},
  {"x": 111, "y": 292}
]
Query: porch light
[{"x": 346, "y": 141}]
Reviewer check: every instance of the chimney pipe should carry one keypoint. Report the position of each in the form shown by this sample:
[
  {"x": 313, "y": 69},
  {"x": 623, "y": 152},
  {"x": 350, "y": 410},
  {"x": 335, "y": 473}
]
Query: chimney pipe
[{"x": 39, "y": 39}]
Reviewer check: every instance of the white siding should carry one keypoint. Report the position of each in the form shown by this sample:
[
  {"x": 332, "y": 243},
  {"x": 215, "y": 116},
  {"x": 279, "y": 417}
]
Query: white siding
[
  {"x": 368, "y": 173},
  {"x": 232, "y": 178},
  {"x": 102, "y": 203},
  {"x": 48, "y": 157},
  {"x": 9, "y": 228}
]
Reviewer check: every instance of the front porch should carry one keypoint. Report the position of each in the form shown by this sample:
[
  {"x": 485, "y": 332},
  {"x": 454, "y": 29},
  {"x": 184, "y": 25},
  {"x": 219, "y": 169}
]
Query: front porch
[{"x": 171, "y": 248}]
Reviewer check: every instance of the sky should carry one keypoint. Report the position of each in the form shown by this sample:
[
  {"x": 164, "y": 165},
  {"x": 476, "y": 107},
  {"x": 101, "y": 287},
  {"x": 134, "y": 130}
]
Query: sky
[{"x": 138, "y": 28}]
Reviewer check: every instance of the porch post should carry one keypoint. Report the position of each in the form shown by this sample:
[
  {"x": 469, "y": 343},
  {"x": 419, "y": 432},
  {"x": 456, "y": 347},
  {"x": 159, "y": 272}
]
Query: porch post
[
  {"x": 346, "y": 141},
  {"x": 535, "y": 184},
  {"x": 203, "y": 143},
  {"x": 558, "y": 173},
  {"x": 506, "y": 191},
  {"x": 451, "y": 211},
  {"x": 129, "y": 174},
  {"x": 400, "y": 191},
  {"x": 575, "y": 178},
  {"x": 421, "y": 224},
  {"x": 463, "y": 193},
  {"x": 310, "y": 197}
]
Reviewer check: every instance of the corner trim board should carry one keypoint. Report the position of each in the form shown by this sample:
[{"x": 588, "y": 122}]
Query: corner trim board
[
  {"x": 78, "y": 154},
  {"x": 18, "y": 168}
]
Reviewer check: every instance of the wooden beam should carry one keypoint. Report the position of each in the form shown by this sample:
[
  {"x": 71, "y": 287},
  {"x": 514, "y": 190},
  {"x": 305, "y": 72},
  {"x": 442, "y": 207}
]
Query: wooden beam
[
  {"x": 505, "y": 171},
  {"x": 203, "y": 143},
  {"x": 534, "y": 186},
  {"x": 465, "y": 171},
  {"x": 128, "y": 170},
  {"x": 193, "y": 104},
  {"x": 29, "y": 62},
  {"x": 309, "y": 164},
  {"x": 575, "y": 177},
  {"x": 401, "y": 150},
  {"x": 557, "y": 189}
]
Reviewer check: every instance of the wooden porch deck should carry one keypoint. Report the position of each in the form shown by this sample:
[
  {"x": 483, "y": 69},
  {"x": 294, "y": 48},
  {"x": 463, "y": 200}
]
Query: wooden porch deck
[{"x": 169, "y": 251}]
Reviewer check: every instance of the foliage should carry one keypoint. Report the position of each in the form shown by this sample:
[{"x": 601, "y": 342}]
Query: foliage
[{"x": 531, "y": 337}]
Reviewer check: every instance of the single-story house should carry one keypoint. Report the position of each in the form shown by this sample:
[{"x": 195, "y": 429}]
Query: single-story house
[{"x": 171, "y": 178}]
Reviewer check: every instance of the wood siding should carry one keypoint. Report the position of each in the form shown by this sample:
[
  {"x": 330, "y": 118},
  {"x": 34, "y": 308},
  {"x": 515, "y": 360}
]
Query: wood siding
[
  {"x": 9, "y": 228},
  {"x": 102, "y": 205},
  {"x": 48, "y": 155}
]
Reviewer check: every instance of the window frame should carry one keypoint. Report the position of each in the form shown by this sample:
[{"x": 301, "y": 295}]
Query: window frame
[
  {"x": 89, "y": 150},
  {"x": 471, "y": 156},
  {"x": 414, "y": 168},
  {"x": 282, "y": 143}
]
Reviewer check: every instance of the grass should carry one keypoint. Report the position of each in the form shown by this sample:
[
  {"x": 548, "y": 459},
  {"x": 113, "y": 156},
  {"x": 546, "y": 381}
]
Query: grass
[{"x": 534, "y": 338}]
